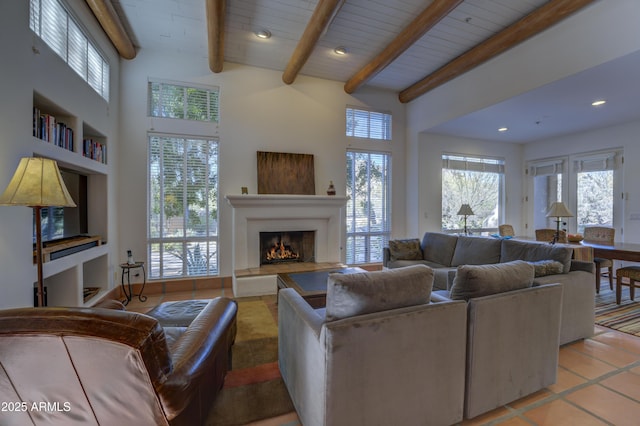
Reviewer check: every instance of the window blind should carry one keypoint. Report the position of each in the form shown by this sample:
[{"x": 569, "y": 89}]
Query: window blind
[
  {"x": 545, "y": 168},
  {"x": 173, "y": 100},
  {"x": 62, "y": 33},
  {"x": 183, "y": 205},
  {"x": 476, "y": 164},
  {"x": 363, "y": 123},
  {"x": 595, "y": 162}
]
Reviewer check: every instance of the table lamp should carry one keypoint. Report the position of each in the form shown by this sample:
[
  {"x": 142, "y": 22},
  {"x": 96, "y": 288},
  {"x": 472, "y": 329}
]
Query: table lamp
[
  {"x": 37, "y": 183},
  {"x": 465, "y": 210},
  {"x": 558, "y": 210}
]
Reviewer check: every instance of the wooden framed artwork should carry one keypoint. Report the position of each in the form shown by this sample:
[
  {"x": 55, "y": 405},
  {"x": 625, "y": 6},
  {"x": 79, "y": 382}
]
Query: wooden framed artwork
[{"x": 285, "y": 173}]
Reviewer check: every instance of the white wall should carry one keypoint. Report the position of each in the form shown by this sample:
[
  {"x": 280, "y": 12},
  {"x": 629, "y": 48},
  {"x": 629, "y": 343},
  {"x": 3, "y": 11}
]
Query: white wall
[
  {"x": 432, "y": 147},
  {"x": 600, "y": 32},
  {"x": 625, "y": 136},
  {"x": 257, "y": 113},
  {"x": 28, "y": 65}
]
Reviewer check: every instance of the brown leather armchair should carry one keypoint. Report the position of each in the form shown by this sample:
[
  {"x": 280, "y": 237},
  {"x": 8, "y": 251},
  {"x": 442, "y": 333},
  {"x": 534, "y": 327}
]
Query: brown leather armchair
[{"x": 63, "y": 366}]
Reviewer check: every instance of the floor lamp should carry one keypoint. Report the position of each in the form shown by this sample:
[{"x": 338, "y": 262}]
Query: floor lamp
[
  {"x": 558, "y": 210},
  {"x": 465, "y": 210},
  {"x": 37, "y": 183}
]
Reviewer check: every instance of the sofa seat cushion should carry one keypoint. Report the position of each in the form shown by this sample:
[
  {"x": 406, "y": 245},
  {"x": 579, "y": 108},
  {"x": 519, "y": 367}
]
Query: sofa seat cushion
[
  {"x": 476, "y": 251},
  {"x": 367, "y": 292},
  {"x": 405, "y": 249},
  {"x": 535, "y": 251},
  {"x": 403, "y": 263},
  {"x": 473, "y": 281},
  {"x": 438, "y": 248}
]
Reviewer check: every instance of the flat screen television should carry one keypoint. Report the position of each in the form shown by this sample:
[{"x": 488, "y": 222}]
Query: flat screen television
[{"x": 65, "y": 222}]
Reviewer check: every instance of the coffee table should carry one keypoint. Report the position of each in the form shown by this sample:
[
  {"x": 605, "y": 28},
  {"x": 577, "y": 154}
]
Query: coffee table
[{"x": 312, "y": 286}]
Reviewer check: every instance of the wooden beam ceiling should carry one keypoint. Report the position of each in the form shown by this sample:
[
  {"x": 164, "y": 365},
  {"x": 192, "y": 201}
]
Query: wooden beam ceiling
[
  {"x": 412, "y": 33},
  {"x": 532, "y": 24},
  {"x": 215, "y": 33},
  {"x": 112, "y": 25},
  {"x": 322, "y": 16}
]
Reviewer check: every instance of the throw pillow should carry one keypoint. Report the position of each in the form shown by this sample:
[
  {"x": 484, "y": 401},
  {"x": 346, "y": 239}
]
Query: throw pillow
[
  {"x": 405, "y": 249},
  {"x": 473, "y": 281},
  {"x": 547, "y": 267},
  {"x": 362, "y": 293}
]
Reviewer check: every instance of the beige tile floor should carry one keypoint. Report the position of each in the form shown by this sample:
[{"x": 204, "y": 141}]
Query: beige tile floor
[{"x": 598, "y": 380}]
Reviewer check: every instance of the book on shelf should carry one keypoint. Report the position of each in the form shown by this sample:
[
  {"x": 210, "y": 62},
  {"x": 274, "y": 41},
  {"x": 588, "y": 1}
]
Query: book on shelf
[
  {"x": 95, "y": 150},
  {"x": 47, "y": 128}
]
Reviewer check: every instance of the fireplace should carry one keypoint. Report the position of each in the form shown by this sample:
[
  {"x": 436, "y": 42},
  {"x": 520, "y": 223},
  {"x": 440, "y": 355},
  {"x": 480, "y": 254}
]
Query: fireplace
[{"x": 287, "y": 246}]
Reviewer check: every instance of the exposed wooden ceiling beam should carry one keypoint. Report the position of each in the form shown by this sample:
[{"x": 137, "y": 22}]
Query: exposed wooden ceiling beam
[
  {"x": 412, "y": 33},
  {"x": 532, "y": 24},
  {"x": 215, "y": 32},
  {"x": 112, "y": 25},
  {"x": 322, "y": 16}
]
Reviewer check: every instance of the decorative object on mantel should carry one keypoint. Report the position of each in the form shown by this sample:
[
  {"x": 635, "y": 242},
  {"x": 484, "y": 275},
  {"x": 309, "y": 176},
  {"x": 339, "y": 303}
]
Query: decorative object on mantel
[
  {"x": 37, "y": 183},
  {"x": 244, "y": 190},
  {"x": 332, "y": 189},
  {"x": 285, "y": 173},
  {"x": 465, "y": 210},
  {"x": 558, "y": 210}
]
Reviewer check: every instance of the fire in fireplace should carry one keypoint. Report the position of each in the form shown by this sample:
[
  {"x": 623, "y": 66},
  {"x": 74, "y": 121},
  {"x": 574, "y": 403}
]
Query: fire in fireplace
[{"x": 287, "y": 246}]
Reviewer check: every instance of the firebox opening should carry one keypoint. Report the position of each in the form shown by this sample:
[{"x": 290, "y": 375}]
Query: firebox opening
[{"x": 287, "y": 246}]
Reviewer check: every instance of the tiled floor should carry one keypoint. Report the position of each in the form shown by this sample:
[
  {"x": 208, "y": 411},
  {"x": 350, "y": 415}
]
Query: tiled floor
[{"x": 598, "y": 381}]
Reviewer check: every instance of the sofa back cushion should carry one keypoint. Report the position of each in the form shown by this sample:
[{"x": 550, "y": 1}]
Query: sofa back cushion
[
  {"x": 476, "y": 251},
  {"x": 473, "y": 281},
  {"x": 438, "y": 248},
  {"x": 534, "y": 251},
  {"x": 366, "y": 292}
]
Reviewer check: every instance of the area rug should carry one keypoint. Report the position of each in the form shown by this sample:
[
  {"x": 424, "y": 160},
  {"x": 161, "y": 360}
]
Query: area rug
[
  {"x": 624, "y": 317},
  {"x": 253, "y": 390}
]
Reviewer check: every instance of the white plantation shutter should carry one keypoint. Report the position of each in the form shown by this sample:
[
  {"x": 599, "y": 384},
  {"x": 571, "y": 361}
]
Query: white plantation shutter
[
  {"x": 174, "y": 100},
  {"x": 66, "y": 37},
  {"x": 183, "y": 205},
  {"x": 363, "y": 123},
  {"x": 368, "y": 214}
]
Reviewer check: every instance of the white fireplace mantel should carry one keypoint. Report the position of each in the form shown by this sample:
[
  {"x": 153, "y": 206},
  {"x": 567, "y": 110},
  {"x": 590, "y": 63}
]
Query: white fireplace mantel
[{"x": 253, "y": 214}]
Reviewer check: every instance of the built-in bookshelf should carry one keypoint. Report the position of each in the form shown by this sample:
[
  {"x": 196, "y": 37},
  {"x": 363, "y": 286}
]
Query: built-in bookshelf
[
  {"x": 57, "y": 126},
  {"x": 80, "y": 148}
]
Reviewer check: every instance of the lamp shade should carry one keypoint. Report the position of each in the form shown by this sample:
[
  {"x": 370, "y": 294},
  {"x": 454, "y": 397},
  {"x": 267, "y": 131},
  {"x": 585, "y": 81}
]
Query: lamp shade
[
  {"x": 558, "y": 209},
  {"x": 37, "y": 182},
  {"x": 465, "y": 210}
]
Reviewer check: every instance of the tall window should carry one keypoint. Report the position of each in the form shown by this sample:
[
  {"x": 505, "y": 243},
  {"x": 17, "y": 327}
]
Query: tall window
[
  {"x": 368, "y": 208},
  {"x": 594, "y": 194},
  {"x": 478, "y": 182},
  {"x": 585, "y": 182},
  {"x": 60, "y": 31},
  {"x": 171, "y": 100},
  {"x": 547, "y": 188},
  {"x": 183, "y": 206},
  {"x": 367, "y": 124}
]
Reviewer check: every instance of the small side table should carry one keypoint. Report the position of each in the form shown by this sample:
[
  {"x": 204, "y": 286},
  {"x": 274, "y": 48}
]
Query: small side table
[{"x": 126, "y": 270}]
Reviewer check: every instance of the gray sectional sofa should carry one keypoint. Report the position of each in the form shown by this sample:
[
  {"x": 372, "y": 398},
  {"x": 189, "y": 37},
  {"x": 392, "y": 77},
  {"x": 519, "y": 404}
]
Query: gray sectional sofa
[{"x": 553, "y": 264}]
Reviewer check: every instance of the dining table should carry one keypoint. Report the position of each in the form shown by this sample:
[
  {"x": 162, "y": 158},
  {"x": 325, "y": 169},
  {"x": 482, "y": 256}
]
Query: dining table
[{"x": 629, "y": 252}]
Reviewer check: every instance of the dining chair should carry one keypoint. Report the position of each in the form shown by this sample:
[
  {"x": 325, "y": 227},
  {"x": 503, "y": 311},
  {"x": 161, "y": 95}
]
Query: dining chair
[
  {"x": 601, "y": 235},
  {"x": 547, "y": 235}
]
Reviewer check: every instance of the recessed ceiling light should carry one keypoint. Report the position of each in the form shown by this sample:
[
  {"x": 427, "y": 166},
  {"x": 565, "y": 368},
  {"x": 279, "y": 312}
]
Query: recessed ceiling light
[
  {"x": 340, "y": 50},
  {"x": 503, "y": 129},
  {"x": 598, "y": 102},
  {"x": 264, "y": 34}
]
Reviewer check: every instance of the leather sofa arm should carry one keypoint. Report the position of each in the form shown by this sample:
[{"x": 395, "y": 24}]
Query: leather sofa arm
[
  {"x": 110, "y": 304},
  {"x": 195, "y": 353}
]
